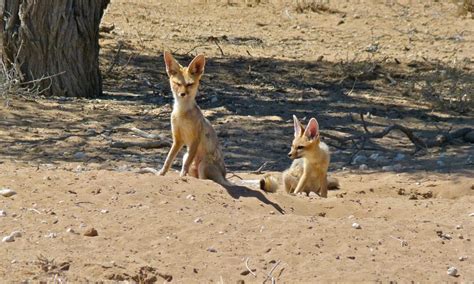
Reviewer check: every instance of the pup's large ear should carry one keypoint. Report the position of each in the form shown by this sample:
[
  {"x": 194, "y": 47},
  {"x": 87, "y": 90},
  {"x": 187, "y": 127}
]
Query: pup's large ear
[
  {"x": 298, "y": 127},
  {"x": 312, "y": 129},
  {"x": 172, "y": 66},
  {"x": 196, "y": 67}
]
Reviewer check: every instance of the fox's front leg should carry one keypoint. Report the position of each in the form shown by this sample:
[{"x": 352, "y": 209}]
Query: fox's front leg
[
  {"x": 301, "y": 183},
  {"x": 323, "y": 181},
  {"x": 189, "y": 158},
  {"x": 177, "y": 145}
]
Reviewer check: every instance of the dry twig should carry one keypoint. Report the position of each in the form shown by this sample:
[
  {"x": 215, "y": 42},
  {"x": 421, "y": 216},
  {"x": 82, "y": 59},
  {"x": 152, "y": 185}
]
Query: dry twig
[{"x": 248, "y": 268}]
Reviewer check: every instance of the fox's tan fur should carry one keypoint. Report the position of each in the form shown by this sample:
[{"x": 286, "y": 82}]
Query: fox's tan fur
[
  {"x": 311, "y": 157},
  {"x": 189, "y": 127}
]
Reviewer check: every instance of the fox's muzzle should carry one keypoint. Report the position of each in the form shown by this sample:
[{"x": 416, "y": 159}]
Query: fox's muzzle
[{"x": 293, "y": 154}]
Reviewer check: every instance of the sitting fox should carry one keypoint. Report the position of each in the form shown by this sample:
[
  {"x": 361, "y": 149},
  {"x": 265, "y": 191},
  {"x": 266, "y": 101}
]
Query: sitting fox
[
  {"x": 189, "y": 127},
  {"x": 308, "y": 172}
]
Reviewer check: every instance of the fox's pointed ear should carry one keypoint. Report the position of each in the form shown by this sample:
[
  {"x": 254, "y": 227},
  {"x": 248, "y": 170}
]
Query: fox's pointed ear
[
  {"x": 312, "y": 129},
  {"x": 196, "y": 67},
  {"x": 172, "y": 66},
  {"x": 298, "y": 127}
]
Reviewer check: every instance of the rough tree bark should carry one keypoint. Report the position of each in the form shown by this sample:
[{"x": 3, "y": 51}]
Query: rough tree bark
[{"x": 50, "y": 37}]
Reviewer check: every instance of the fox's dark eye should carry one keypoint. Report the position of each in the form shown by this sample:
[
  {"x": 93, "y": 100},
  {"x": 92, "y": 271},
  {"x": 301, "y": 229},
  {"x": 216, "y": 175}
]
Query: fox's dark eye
[
  {"x": 177, "y": 84},
  {"x": 189, "y": 85},
  {"x": 300, "y": 147}
]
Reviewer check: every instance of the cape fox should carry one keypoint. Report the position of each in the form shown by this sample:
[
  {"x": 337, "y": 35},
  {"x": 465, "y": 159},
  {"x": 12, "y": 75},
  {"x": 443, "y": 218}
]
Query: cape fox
[
  {"x": 189, "y": 127},
  {"x": 308, "y": 172}
]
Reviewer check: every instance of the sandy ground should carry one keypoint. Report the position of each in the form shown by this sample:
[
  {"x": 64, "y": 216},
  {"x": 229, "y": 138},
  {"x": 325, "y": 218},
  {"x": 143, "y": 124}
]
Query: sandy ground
[{"x": 393, "y": 63}]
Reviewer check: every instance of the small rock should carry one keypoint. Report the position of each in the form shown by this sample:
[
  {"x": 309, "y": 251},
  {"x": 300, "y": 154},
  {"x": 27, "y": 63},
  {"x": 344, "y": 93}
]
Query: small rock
[
  {"x": 104, "y": 211},
  {"x": 247, "y": 272},
  {"x": 471, "y": 215},
  {"x": 363, "y": 167},
  {"x": 71, "y": 230},
  {"x": 51, "y": 236},
  {"x": 79, "y": 155},
  {"x": 16, "y": 234},
  {"x": 6, "y": 192},
  {"x": 198, "y": 220},
  {"x": 356, "y": 226},
  {"x": 3, "y": 213},
  {"x": 462, "y": 258},
  {"x": 388, "y": 168},
  {"x": 8, "y": 239},
  {"x": 350, "y": 217},
  {"x": 359, "y": 159},
  {"x": 399, "y": 157},
  {"x": 14, "y": 261},
  {"x": 191, "y": 197},
  {"x": 91, "y": 233},
  {"x": 459, "y": 227},
  {"x": 312, "y": 194},
  {"x": 272, "y": 212},
  {"x": 452, "y": 271},
  {"x": 211, "y": 249}
]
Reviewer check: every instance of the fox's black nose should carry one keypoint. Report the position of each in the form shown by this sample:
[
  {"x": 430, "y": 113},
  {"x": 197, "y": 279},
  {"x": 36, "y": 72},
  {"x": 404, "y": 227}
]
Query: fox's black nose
[
  {"x": 182, "y": 94},
  {"x": 289, "y": 155}
]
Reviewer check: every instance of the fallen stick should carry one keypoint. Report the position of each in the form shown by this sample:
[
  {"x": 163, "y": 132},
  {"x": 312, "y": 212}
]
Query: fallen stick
[
  {"x": 248, "y": 268},
  {"x": 269, "y": 274},
  {"x": 465, "y": 133},
  {"x": 259, "y": 170}
]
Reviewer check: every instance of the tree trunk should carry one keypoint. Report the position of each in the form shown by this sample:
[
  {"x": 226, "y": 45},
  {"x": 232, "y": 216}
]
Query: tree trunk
[{"x": 58, "y": 38}]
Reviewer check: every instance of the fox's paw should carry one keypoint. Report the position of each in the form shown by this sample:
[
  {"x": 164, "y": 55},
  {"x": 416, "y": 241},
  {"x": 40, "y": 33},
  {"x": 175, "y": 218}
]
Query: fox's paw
[
  {"x": 183, "y": 173},
  {"x": 162, "y": 172}
]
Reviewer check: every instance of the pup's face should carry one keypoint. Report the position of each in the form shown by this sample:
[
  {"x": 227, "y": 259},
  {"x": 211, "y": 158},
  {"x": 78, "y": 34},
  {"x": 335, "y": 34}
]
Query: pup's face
[{"x": 305, "y": 139}]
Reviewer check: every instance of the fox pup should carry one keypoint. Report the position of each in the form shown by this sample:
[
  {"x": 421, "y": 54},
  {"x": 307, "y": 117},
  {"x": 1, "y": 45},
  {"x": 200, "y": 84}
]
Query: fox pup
[
  {"x": 189, "y": 127},
  {"x": 308, "y": 172}
]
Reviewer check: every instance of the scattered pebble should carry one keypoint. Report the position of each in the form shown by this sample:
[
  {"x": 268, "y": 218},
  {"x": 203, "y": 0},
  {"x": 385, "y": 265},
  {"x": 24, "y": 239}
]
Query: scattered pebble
[
  {"x": 8, "y": 239},
  {"x": 14, "y": 261},
  {"x": 462, "y": 258},
  {"x": 356, "y": 226},
  {"x": 79, "y": 155},
  {"x": 272, "y": 212},
  {"x": 104, "y": 211},
  {"x": 459, "y": 227},
  {"x": 3, "y": 213},
  {"x": 363, "y": 167},
  {"x": 350, "y": 216},
  {"x": 191, "y": 197},
  {"x": 452, "y": 271},
  {"x": 211, "y": 249},
  {"x": 16, "y": 234},
  {"x": 7, "y": 192},
  {"x": 198, "y": 220},
  {"x": 51, "y": 236},
  {"x": 71, "y": 230},
  {"x": 471, "y": 215},
  {"x": 91, "y": 233},
  {"x": 312, "y": 194}
]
